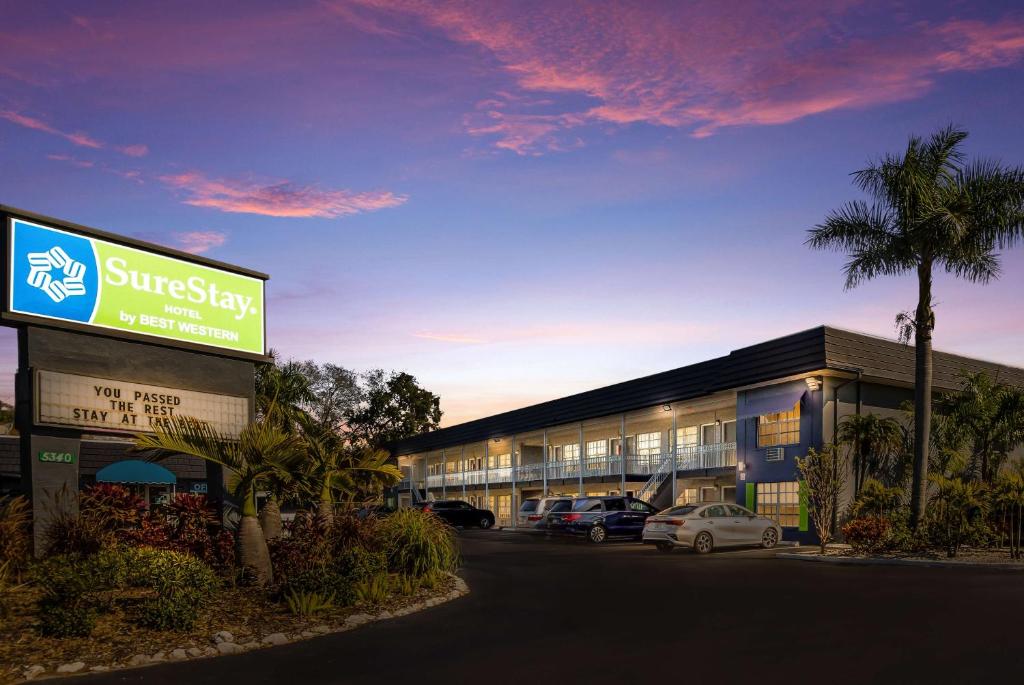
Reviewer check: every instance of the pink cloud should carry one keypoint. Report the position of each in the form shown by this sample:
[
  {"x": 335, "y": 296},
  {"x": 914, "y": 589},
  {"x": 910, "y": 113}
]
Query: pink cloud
[
  {"x": 198, "y": 242},
  {"x": 73, "y": 161},
  {"x": 705, "y": 66},
  {"x": 76, "y": 137},
  {"x": 134, "y": 150},
  {"x": 277, "y": 198}
]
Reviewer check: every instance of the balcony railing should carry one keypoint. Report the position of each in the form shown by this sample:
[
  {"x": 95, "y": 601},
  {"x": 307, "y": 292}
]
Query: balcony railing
[{"x": 696, "y": 458}]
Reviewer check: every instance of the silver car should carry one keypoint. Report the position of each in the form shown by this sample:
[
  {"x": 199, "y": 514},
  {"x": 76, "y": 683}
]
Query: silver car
[
  {"x": 534, "y": 510},
  {"x": 702, "y": 527}
]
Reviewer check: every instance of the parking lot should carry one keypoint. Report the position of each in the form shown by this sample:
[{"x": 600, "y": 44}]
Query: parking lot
[{"x": 565, "y": 611}]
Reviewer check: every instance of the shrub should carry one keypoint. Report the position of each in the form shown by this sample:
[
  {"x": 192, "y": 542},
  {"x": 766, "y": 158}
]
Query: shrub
[
  {"x": 15, "y": 535},
  {"x": 116, "y": 507},
  {"x": 876, "y": 500},
  {"x": 183, "y": 585},
  {"x": 372, "y": 590},
  {"x": 75, "y": 534},
  {"x": 303, "y": 603},
  {"x": 868, "y": 534},
  {"x": 418, "y": 544},
  {"x": 956, "y": 516},
  {"x": 404, "y": 585},
  {"x": 67, "y": 607}
]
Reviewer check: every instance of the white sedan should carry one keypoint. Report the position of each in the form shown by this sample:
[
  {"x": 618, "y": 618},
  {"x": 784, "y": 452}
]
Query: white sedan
[{"x": 702, "y": 527}]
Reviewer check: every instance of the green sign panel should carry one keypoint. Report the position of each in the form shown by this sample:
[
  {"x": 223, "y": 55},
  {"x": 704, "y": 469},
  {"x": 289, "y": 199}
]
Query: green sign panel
[
  {"x": 57, "y": 457},
  {"x": 77, "y": 278}
]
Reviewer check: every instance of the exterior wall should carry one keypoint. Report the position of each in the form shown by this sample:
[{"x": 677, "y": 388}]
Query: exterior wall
[{"x": 756, "y": 468}]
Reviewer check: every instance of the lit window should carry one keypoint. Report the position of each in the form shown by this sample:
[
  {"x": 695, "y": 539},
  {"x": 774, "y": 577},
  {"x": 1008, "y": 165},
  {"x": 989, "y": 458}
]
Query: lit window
[
  {"x": 571, "y": 452},
  {"x": 499, "y": 461},
  {"x": 597, "y": 448},
  {"x": 780, "y": 428},
  {"x": 686, "y": 438},
  {"x": 648, "y": 444},
  {"x": 780, "y": 502}
]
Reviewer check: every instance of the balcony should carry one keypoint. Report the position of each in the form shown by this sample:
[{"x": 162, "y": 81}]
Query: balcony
[{"x": 696, "y": 458}]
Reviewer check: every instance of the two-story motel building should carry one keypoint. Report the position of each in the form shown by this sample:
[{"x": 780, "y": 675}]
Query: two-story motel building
[{"x": 726, "y": 429}]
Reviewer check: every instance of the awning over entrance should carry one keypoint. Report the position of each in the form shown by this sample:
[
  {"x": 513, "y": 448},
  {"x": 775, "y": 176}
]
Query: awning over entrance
[
  {"x": 768, "y": 404},
  {"x": 137, "y": 472}
]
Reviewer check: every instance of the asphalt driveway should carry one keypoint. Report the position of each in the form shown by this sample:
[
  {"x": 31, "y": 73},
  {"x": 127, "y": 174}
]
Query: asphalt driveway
[{"x": 553, "y": 611}]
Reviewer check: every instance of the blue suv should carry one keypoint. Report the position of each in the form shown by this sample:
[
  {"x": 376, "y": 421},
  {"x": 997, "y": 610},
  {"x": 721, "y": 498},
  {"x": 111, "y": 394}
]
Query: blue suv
[{"x": 602, "y": 517}]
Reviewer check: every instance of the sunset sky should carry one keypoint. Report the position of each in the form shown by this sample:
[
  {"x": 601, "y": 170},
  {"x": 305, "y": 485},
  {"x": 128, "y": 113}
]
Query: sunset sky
[{"x": 513, "y": 201}]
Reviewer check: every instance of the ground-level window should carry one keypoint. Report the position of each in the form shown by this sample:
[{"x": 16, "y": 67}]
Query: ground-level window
[
  {"x": 780, "y": 501},
  {"x": 648, "y": 444},
  {"x": 501, "y": 505},
  {"x": 688, "y": 496},
  {"x": 779, "y": 428}
]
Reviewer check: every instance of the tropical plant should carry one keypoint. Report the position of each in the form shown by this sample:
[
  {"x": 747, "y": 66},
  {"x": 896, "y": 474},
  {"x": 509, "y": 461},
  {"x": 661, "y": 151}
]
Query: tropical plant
[
  {"x": 825, "y": 473},
  {"x": 1008, "y": 498},
  {"x": 989, "y": 418},
  {"x": 867, "y": 534},
  {"x": 372, "y": 590},
  {"x": 15, "y": 535},
  {"x": 874, "y": 444},
  {"x": 283, "y": 390},
  {"x": 875, "y": 499},
  {"x": 958, "y": 512},
  {"x": 261, "y": 449},
  {"x": 304, "y": 603},
  {"x": 418, "y": 544},
  {"x": 930, "y": 210}
]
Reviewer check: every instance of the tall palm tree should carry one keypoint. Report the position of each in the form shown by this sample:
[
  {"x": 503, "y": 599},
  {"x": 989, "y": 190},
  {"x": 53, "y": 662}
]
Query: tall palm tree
[
  {"x": 930, "y": 210},
  {"x": 283, "y": 390},
  {"x": 261, "y": 451},
  {"x": 875, "y": 442},
  {"x": 333, "y": 466}
]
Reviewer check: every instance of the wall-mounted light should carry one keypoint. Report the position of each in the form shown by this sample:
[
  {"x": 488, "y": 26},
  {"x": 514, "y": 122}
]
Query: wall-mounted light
[
  {"x": 813, "y": 384},
  {"x": 666, "y": 407},
  {"x": 497, "y": 440},
  {"x": 741, "y": 466}
]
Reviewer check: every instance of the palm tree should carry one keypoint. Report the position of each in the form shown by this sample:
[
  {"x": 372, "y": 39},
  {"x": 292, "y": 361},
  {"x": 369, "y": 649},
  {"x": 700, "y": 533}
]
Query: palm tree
[
  {"x": 930, "y": 210},
  {"x": 333, "y": 466},
  {"x": 989, "y": 416},
  {"x": 875, "y": 443},
  {"x": 262, "y": 451},
  {"x": 283, "y": 389}
]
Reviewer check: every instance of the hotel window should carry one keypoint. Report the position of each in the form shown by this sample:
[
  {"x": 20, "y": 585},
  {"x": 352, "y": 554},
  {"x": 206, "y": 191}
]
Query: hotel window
[
  {"x": 709, "y": 434},
  {"x": 500, "y": 461},
  {"x": 571, "y": 452},
  {"x": 780, "y": 501},
  {"x": 686, "y": 438},
  {"x": 648, "y": 444},
  {"x": 779, "y": 428},
  {"x": 729, "y": 431},
  {"x": 597, "y": 448}
]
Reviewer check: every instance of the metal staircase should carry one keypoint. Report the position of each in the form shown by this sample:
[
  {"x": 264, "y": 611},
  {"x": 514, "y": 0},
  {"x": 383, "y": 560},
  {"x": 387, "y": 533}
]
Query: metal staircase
[{"x": 650, "y": 488}]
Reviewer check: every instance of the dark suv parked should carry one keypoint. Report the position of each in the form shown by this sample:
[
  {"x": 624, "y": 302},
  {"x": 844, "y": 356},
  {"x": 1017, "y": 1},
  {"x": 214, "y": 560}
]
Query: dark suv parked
[
  {"x": 602, "y": 517},
  {"x": 459, "y": 513}
]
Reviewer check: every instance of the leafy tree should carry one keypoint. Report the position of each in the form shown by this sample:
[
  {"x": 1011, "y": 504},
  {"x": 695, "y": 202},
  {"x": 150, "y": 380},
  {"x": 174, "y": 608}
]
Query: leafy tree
[
  {"x": 875, "y": 444},
  {"x": 988, "y": 417},
  {"x": 336, "y": 392},
  {"x": 261, "y": 451},
  {"x": 394, "y": 407},
  {"x": 826, "y": 473},
  {"x": 930, "y": 210}
]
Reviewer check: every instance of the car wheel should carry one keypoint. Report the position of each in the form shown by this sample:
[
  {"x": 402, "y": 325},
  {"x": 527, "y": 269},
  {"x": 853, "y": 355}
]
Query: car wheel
[
  {"x": 597, "y": 534},
  {"x": 665, "y": 547},
  {"x": 485, "y": 523},
  {"x": 770, "y": 538},
  {"x": 703, "y": 543}
]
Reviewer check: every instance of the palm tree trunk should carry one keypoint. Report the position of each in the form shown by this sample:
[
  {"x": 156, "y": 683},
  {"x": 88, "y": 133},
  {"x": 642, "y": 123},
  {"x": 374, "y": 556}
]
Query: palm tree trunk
[
  {"x": 251, "y": 546},
  {"x": 270, "y": 519},
  {"x": 325, "y": 510},
  {"x": 923, "y": 323}
]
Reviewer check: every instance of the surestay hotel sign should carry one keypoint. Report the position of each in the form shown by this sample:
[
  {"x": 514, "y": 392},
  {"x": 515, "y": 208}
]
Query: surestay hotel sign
[{"x": 81, "y": 279}]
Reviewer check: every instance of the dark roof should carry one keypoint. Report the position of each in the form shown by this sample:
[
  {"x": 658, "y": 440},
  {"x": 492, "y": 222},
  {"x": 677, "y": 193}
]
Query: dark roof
[{"x": 816, "y": 349}]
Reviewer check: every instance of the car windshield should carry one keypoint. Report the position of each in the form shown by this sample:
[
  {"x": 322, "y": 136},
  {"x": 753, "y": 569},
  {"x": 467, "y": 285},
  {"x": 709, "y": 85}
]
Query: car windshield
[
  {"x": 529, "y": 505},
  {"x": 587, "y": 505},
  {"x": 679, "y": 511}
]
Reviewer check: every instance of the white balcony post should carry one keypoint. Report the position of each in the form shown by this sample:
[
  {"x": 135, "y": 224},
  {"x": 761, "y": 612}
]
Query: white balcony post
[
  {"x": 544, "y": 462},
  {"x": 579, "y": 454},
  {"x": 622, "y": 450},
  {"x": 672, "y": 444},
  {"x": 463, "y": 457},
  {"x": 444, "y": 471},
  {"x": 426, "y": 475},
  {"x": 512, "y": 460},
  {"x": 487, "y": 474}
]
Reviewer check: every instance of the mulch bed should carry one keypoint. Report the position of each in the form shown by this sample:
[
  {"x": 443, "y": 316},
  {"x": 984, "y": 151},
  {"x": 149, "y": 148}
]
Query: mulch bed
[
  {"x": 996, "y": 557},
  {"x": 247, "y": 613}
]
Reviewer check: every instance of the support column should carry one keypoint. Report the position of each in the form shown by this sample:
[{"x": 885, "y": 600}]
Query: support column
[
  {"x": 579, "y": 454},
  {"x": 444, "y": 472},
  {"x": 622, "y": 448},
  {"x": 513, "y": 511},
  {"x": 426, "y": 475},
  {"x": 672, "y": 444},
  {"x": 487, "y": 474},
  {"x": 463, "y": 457},
  {"x": 544, "y": 462}
]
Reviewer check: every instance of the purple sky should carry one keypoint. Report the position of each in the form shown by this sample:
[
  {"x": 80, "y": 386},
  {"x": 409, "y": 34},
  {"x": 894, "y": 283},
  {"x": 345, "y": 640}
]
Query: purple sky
[{"x": 511, "y": 200}]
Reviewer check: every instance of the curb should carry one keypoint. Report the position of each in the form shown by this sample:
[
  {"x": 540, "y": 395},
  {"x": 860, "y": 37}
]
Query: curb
[
  {"x": 226, "y": 648},
  {"x": 882, "y": 561}
]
